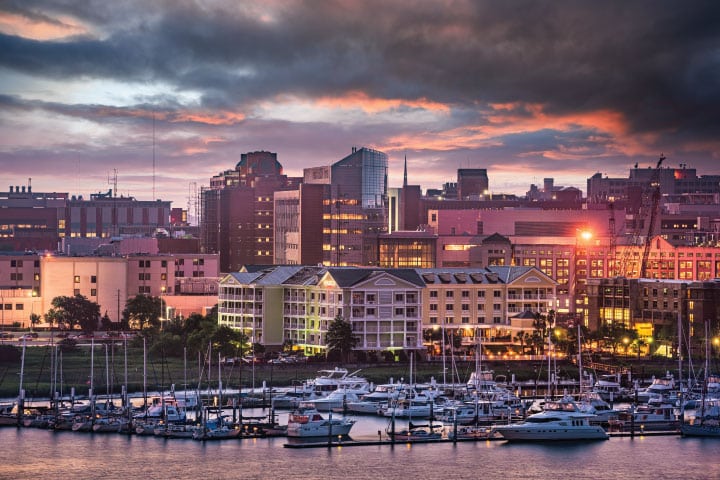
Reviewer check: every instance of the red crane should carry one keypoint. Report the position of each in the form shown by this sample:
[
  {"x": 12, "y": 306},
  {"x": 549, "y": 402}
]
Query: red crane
[{"x": 654, "y": 207}]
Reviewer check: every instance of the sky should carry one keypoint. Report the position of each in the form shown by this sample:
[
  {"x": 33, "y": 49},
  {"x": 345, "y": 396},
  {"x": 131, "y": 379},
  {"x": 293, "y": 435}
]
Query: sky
[{"x": 161, "y": 95}]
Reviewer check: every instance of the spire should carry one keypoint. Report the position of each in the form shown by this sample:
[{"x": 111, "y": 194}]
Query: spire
[{"x": 405, "y": 173}]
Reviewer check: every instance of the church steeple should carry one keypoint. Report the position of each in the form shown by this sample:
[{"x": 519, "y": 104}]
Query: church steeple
[{"x": 405, "y": 173}]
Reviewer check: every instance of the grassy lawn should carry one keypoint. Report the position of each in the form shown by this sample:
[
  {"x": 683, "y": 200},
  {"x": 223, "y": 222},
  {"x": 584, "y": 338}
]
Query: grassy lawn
[{"x": 74, "y": 372}]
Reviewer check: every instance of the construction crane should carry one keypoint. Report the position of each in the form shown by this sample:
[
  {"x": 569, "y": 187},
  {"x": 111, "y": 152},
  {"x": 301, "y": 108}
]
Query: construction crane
[{"x": 654, "y": 207}]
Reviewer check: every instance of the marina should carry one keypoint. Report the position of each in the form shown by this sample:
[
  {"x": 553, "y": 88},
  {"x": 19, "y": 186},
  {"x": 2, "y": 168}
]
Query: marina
[{"x": 106, "y": 456}]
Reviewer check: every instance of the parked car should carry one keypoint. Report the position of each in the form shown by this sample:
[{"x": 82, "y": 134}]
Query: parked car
[
  {"x": 27, "y": 337},
  {"x": 62, "y": 335},
  {"x": 6, "y": 335}
]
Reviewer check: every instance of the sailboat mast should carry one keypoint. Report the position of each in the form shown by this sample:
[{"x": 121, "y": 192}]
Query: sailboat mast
[
  {"x": 679, "y": 348},
  {"x": 580, "y": 369},
  {"x": 144, "y": 376}
]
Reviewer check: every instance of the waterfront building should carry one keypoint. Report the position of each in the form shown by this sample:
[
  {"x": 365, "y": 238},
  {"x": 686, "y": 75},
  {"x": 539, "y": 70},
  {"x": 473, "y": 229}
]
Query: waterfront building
[
  {"x": 186, "y": 282},
  {"x": 491, "y": 301},
  {"x": 294, "y": 305},
  {"x": 388, "y": 309},
  {"x": 655, "y": 308}
]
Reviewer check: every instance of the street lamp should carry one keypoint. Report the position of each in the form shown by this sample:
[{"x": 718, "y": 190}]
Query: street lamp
[{"x": 162, "y": 292}]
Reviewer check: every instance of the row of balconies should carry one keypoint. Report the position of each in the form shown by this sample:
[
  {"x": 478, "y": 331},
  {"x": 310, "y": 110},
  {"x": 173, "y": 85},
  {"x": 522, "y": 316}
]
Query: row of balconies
[
  {"x": 240, "y": 311},
  {"x": 541, "y": 296},
  {"x": 247, "y": 298}
]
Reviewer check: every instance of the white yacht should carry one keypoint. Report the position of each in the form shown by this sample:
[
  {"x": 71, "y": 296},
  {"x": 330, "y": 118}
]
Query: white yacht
[
  {"x": 560, "y": 420},
  {"x": 306, "y": 421},
  {"x": 338, "y": 399}
]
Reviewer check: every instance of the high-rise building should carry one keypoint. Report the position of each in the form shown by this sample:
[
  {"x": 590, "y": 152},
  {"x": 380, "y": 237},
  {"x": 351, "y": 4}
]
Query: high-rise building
[
  {"x": 472, "y": 183},
  {"x": 237, "y": 212},
  {"x": 355, "y": 206}
]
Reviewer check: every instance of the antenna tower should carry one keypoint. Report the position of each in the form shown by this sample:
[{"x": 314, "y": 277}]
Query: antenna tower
[{"x": 112, "y": 180}]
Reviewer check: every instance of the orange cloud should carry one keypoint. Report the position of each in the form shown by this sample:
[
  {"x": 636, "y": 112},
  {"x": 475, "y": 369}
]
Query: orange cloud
[
  {"x": 361, "y": 100},
  {"x": 520, "y": 118},
  {"x": 214, "y": 118},
  {"x": 40, "y": 29},
  {"x": 219, "y": 118}
]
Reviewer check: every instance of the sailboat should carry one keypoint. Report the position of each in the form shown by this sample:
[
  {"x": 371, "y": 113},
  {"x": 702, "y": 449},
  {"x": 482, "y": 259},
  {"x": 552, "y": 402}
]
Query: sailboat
[{"x": 707, "y": 424}]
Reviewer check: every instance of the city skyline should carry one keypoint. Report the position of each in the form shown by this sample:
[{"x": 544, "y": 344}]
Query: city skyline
[{"x": 526, "y": 91}]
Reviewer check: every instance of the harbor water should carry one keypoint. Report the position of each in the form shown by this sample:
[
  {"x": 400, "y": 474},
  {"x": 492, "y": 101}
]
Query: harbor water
[{"x": 36, "y": 453}]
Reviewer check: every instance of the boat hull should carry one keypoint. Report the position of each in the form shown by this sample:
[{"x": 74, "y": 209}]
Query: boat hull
[
  {"x": 548, "y": 433},
  {"x": 700, "y": 430},
  {"x": 322, "y": 430}
]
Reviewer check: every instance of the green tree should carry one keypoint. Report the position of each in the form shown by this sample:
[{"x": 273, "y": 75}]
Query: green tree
[
  {"x": 340, "y": 337},
  {"x": 77, "y": 310},
  {"x": 142, "y": 312},
  {"x": 228, "y": 341}
]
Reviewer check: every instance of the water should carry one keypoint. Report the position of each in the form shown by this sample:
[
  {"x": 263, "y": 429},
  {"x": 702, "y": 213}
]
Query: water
[{"x": 35, "y": 453}]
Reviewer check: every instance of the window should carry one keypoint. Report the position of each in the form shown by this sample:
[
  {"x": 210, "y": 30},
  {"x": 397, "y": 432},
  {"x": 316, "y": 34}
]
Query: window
[
  {"x": 76, "y": 291},
  {"x": 433, "y": 293},
  {"x": 433, "y": 307},
  {"x": 77, "y": 279},
  {"x": 180, "y": 273},
  {"x": 16, "y": 276},
  {"x": 465, "y": 293},
  {"x": 19, "y": 306},
  {"x": 163, "y": 263},
  {"x": 93, "y": 292},
  {"x": 496, "y": 293},
  {"x": 465, "y": 319},
  {"x": 163, "y": 276},
  {"x": 481, "y": 293},
  {"x": 449, "y": 294},
  {"x": 449, "y": 306}
]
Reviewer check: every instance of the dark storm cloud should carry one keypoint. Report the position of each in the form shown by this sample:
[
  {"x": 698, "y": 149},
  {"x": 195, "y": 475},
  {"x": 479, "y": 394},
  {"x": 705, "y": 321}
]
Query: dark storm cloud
[{"x": 659, "y": 63}]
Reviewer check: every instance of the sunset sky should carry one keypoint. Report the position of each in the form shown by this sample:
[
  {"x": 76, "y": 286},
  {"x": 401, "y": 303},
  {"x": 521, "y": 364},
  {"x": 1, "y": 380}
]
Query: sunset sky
[{"x": 525, "y": 89}]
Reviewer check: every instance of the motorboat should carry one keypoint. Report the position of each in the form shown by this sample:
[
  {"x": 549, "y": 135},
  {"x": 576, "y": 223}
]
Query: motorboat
[
  {"x": 706, "y": 422},
  {"x": 560, "y": 420},
  {"x": 167, "y": 409},
  {"x": 337, "y": 379},
  {"x": 415, "y": 434},
  {"x": 338, "y": 399},
  {"x": 609, "y": 389},
  {"x": 468, "y": 412},
  {"x": 215, "y": 429},
  {"x": 660, "y": 388},
  {"x": 307, "y": 421},
  {"x": 651, "y": 416},
  {"x": 470, "y": 432},
  {"x": 593, "y": 404}
]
